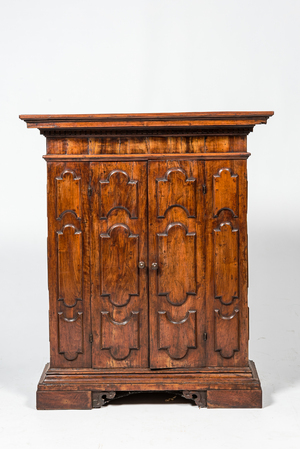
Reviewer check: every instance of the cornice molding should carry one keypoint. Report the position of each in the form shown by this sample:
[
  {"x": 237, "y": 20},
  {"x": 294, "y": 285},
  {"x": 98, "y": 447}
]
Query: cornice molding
[{"x": 151, "y": 124}]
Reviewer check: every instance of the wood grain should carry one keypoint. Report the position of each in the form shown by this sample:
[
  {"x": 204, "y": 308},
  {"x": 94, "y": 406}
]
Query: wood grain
[
  {"x": 226, "y": 263},
  {"x": 70, "y": 275},
  {"x": 68, "y": 266},
  {"x": 64, "y": 400},
  {"x": 68, "y": 197},
  {"x": 234, "y": 399},
  {"x": 177, "y": 287},
  {"x": 145, "y": 379},
  {"x": 145, "y": 157},
  {"x": 138, "y": 199},
  {"x": 147, "y": 120},
  {"x": 118, "y": 244}
]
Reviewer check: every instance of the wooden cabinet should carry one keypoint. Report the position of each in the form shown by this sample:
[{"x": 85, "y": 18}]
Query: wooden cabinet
[{"x": 147, "y": 257}]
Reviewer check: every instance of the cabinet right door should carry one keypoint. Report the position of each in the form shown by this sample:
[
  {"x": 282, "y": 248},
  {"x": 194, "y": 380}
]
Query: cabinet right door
[{"x": 176, "y": 264}]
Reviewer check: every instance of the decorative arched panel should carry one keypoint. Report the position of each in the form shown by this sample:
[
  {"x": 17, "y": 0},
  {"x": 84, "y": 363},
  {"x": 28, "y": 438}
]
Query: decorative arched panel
[
  {"x": 70, "y": 336},
  {"x": 226, "y": 263},
  {"x": 177, "y": 337},
  {"x": 227, "y": 334},
  {"x": 225, "y": 192},
  {"x": 68, "y": 195},
  {"x": 175, "y": 189},
  {"x": 118, "y": 191},
  {"x": 176, "y": 255},
  {"x": 119, "y": 253},
  {"x": 120, "y": 337},
  {"x": 70, "y": 274}
]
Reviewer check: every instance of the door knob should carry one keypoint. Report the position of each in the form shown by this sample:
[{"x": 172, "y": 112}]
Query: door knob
[
  {"x": 154, "y": 266},
  {"x": 141, "y": 264}
]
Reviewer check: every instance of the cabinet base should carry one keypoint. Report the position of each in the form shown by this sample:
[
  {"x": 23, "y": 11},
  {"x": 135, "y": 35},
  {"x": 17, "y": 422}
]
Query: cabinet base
[{"x": 83, "y": 389}]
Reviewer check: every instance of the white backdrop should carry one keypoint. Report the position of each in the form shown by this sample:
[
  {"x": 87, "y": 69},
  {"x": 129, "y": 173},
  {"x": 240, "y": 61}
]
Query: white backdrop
[{"x": 151, "y": 56}]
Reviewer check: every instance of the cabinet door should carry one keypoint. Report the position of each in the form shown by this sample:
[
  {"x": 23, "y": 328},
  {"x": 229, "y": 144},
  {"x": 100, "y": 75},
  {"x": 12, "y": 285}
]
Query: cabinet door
[
  {"x": 118, "y": 250},
  {"x": 176, "y": 264}
]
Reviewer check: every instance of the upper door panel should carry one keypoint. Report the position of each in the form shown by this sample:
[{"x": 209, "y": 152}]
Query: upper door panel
[
  {"x": 118, "y": 250},
  {"x": 176, "y": 264}
]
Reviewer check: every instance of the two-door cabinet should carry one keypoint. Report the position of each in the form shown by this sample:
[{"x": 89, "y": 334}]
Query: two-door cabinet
[{"x": 147, "y": 258}]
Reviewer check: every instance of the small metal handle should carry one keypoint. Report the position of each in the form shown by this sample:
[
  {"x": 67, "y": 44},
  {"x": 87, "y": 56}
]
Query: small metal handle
[
  {"x": 141, "y": 264},
  {"x": 154, "y": 266}
]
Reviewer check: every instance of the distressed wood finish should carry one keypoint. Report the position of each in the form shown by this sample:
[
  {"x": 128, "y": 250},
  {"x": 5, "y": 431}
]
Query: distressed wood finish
[
  {"x": 148, "y": 258},
  {"x": 145, "y": 121},
  {"x": 177, "y": 286},
  {"x": 63, "y": 400},
  {"x": 118, "y": 243},
  {"x": 69, "y": 264},
  {"x": 234, "y": 399},
  {"x": 226, "y": 263}
]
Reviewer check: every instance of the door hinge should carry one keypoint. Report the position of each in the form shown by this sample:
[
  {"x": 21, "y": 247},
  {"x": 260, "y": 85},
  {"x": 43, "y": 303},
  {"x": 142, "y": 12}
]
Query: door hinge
[
  {"x": 90, "y": 191},
  {"x": 204, "y": 189},
  {"x": 204, "y": 336},
  {"x": 91, "y": 338}
]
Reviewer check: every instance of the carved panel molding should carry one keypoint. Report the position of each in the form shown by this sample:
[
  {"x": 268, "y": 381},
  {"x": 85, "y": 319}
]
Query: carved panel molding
[
  {"x": 118, "y": 191},
  {"x": 176, "y": 279},
  {"x": 227, "y": 333},
  {"x": 70, "y": 274},
  {"x": 119, "y": 256},
  {"x": 70, "y": 336},
  {"x": 68, "y": 198},
  {"x": 175, "y": 189},
  {"x": 226, "y": 263},
  {"x": 225, "y": 192},
  {"x": 120, "y": 337},
  {"x": 177, "y": 337}
]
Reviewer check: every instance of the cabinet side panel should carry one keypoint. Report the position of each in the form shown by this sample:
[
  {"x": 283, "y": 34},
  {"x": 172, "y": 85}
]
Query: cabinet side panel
[
  {"x": 68, "y": 264},
  {"x": 226, "y": 263}
]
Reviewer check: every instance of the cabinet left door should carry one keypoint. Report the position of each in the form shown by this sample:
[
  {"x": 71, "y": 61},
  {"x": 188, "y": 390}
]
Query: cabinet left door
[
  {"x": 68, "y": 264},
  {"x": 119, "y": 280}
]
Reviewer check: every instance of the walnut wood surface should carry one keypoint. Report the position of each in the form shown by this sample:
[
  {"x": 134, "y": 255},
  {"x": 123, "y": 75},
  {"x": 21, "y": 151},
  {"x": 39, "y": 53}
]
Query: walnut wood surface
[
  {"x": 69, "y": 264},
  {"x": 119, "y": 295},
  {"x": 147, "y": 379},
  {"x": 63, "y": 400},
  {"x": 146, "y": 120},
  {"x": 148, "y": 257},
  {"x": 177, "y": 287},
  {"x": 226, "y": 263},
  {"x": 146, "y": 157},
  {"x": 234, "y": 399}
]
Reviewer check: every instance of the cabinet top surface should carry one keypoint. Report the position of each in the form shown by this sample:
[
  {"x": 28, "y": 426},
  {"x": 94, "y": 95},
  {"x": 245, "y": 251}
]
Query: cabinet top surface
[{"x": 160, "y": 120}]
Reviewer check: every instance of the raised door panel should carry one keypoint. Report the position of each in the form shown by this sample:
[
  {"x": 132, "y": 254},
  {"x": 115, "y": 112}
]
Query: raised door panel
[
  {"x": 176, "y": 264},
  {"x": 68, "y": 264},
  {"x": 226, "y": 263},
  {"x": 118, "y": 252}
]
